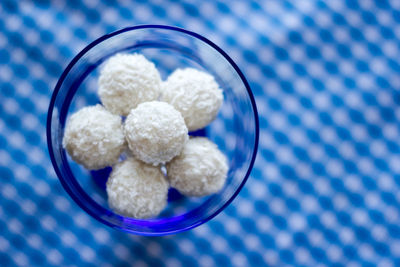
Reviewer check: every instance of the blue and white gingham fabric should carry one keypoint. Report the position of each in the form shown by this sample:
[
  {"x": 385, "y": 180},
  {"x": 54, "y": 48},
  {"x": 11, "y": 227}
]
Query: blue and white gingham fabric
[{"x": 325, "y": 189}]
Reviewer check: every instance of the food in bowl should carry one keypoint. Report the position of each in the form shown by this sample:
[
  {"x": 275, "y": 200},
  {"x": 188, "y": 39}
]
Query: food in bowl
[{"x": 156, "y": 133}]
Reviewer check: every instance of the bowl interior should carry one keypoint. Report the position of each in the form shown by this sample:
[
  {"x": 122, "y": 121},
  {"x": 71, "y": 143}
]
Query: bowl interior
[{"x": 235, "y": 130}]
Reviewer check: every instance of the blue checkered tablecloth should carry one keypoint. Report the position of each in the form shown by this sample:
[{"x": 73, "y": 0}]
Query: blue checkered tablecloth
[{"x": 325, "y": 189}]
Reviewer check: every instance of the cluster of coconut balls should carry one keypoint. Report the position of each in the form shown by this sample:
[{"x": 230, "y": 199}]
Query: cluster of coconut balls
[{"x": 157, "y": 118}]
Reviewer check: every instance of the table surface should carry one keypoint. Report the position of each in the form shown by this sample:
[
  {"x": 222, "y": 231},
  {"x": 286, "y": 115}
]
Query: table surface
[{"x": 324, "y": 190}]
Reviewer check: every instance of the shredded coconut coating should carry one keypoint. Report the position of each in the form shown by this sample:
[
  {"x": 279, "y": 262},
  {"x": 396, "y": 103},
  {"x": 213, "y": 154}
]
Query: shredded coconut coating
[
  {"x": 195, "y": 94},
  {"x": 127, "y": 80},
  {"x": 136, "y": 189},
  {"x": 94, "y": 137},
  {"x": 201, "y": 169},
  {"x": 156, "y": 132}
]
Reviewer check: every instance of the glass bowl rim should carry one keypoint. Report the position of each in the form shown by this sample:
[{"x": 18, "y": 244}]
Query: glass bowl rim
[{"x": 79, "y": 56}]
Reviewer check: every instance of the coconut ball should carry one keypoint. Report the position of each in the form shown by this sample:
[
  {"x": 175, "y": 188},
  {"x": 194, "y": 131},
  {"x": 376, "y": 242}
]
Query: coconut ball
[
  {"x": 94, "y": 137},
  {"x": 127, "y": 80},
  {"x": 156, "y": 132},
  {"x": 201, "y": 169},
  {"x": 136, "y": 189},
  {"x": 195, "y": 94}
]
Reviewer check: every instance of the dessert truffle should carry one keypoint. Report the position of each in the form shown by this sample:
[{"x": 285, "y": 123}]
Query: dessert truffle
[
  {"x": 156, "y": 132},
  {"x": 195, "y": 94},
  {"x": 94, "y": 137},
  {"x": 201, "y": 169},
  {"x": 126, "y": 80},
  {"x": 136, "y": 189}
]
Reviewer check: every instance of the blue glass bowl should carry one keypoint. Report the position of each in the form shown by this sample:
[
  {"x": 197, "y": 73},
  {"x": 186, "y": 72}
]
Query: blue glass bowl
[{"x": 235, "y": 130}]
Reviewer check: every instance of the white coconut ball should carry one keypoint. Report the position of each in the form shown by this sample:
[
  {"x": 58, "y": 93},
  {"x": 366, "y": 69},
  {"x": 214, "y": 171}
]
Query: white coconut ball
[
  {"x": 195, "y": 94},
  {"x": 127, "y": 80},
  {"x": 156, "y": 132},
  {"x": 201, "y": 169},
  {"x": 94, "y": 137},
  {"x": 136, "y": 189}
]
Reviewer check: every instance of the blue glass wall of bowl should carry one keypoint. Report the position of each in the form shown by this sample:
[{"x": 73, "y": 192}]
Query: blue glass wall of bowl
[{"x": 169, "y": 48}]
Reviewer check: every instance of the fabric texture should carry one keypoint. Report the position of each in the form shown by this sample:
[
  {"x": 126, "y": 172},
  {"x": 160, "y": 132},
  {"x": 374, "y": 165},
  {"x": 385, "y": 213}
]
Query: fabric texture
[{"x": 325, "y": 188}]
